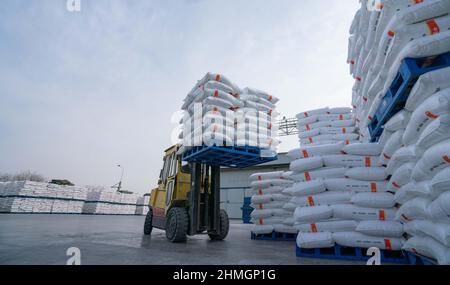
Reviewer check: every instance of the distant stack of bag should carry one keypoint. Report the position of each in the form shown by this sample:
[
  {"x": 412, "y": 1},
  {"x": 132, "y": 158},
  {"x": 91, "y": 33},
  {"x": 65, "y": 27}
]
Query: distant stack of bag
[
  {"x": 142, "y": 206},
  {"x": 327, "y": 126},
  {"x": 382, "y": 37},
  {"x": 38, "y": 197},
  {"x": 107, "y": 202},
  {"x": 229, "y": 116},
  {"x": 268, "y": 201}
]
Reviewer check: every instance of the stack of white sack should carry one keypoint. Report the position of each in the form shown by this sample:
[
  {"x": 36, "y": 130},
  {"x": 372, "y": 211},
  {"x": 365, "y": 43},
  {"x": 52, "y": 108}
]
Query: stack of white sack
[
  {"x": 107, "y": 202},
  {"x": 381, "y": 37},
  {"x": 268, "y": 201},
  {"x": 38, "y": 197},
  {"x": 327, "y": 126},
  {"x": 421, "y": 173},
  {"x": 142, "y": 205},
  {"x": 217, "y": 112},
  {"x": 342, "y": 197}
]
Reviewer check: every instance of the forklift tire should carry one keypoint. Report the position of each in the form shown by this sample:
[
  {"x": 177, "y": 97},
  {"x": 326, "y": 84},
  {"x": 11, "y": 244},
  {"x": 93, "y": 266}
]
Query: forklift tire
[
  {"x": 148, "y": 224},
  {"x": 224, "y": 226},
  {"x": 177, "y": 224}
]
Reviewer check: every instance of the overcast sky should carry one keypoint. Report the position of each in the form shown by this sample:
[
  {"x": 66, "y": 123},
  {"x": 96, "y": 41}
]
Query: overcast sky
[{"x": 83, "y": 92}]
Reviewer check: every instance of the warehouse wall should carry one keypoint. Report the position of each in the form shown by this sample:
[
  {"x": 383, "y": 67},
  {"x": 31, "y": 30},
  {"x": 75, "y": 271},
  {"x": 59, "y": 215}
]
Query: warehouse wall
[{"x": 234, "y": 183}]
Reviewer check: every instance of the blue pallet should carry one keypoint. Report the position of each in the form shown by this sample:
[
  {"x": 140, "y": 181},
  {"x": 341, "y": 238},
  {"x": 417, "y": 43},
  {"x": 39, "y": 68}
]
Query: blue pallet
[
  {"x": 397, "y": 95},
  {"x": 416, "y": 259},
  {"x": 233, "y": 157},
  {"x": 274, "y": 236},
  {"x": 247, "y": 210},
  {"x": 351, "y": 254}
]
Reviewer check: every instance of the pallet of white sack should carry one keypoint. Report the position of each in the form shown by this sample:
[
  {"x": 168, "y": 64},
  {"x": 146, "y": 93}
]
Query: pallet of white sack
[
  {"x": 395, "y": 98},
  {"x": 227, "y": 156},
  {"x": 274, "y": 236},
  {"x": 351, "y": 254},
  {"x": 417, "y": 259}
]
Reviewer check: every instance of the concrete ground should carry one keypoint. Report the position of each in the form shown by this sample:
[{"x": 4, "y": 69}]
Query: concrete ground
[{"x": 44, "y": 239}]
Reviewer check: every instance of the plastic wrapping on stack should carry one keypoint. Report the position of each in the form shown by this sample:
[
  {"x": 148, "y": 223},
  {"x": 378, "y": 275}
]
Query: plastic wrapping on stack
[
  {"x": 327, "y": 126},
  {"x": 381, "y": 37},
  {"x": 36, "y": 197},
  {"x": 268, "y": 201},
  {"x": 107, "y": 202},
  {"x": 217, "y": 112},
  {"x": 142, "y": 206}
]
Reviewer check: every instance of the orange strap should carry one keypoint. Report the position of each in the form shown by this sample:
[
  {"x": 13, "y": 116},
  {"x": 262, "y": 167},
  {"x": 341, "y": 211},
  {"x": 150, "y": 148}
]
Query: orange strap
[{"x": 314, "y": 228}]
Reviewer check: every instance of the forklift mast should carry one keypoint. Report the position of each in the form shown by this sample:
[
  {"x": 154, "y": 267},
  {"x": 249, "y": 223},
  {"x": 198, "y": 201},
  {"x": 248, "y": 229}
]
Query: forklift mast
[{"x": 204, "y": 206}]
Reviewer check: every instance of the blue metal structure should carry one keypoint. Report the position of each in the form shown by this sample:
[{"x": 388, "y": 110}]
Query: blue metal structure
[
  {"x": 397, "y": 95},
  {"x": 274, "y": 236},
  {"x": 232, "y": 157},
  {"x": 247, "y": 210},
  {"x": 352, "y": 254}
]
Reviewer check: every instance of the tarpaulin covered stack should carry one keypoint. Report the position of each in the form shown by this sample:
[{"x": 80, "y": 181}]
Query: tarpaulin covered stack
[
  {"x": 268, "y": 201},
  {"x": 218, "y": 112},
  {"x": 382, "y": 36}
]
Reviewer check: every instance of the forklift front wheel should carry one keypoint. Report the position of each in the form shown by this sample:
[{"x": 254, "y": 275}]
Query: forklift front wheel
[
  {"x": 148, "y": 224},
  {"x": 177, "y": 225},
  {"x": 224, "y": 226}
]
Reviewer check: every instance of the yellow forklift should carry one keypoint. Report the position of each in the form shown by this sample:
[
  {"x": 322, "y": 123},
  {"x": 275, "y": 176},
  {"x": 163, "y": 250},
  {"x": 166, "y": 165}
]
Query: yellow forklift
[{"x": 187, "y": 200}]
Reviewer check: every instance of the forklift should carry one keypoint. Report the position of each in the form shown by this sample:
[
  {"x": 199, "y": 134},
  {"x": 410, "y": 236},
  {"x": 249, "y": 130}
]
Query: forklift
[{"x": 187, "y": 200}]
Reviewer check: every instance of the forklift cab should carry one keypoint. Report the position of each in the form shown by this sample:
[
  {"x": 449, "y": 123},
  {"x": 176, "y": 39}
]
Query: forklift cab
[{"x": 187, "y": 200}]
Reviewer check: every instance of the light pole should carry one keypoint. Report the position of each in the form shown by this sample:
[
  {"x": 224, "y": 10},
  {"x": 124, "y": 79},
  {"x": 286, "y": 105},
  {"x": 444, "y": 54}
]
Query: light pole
[{"x": 119, "y": 186}]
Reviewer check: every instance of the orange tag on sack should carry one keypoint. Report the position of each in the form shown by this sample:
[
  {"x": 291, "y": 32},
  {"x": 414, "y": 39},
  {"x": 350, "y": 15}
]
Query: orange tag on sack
[
  {"x": 446, "y": 159},
  {"x": 305, "y": 153},
  {"x": 431, "y": 115},
  {"x": 382, "y": 215},
  {"x": 311, "y": 201},
  {"x": 307, "y": 127},
  {"x": 270, "y": 98},
  {"x": 391, "y": 34},
  {"x": 218, "y": 77},
  {"x": 368, "y": 161},
  {"x": 260, "y": 192},
  {"x": 395, "y": 185},
  {"x": 261, "y": 206},
  {"x": 310, "y": 140},
  {"x": 307, "y": 176},
  {"x": 373, "y": 187},
  {"x": 344, "y": 130},
  {"x": 417, "y": 1},
  {"x": 216, "y": 93},
  {"x": 314, "y": 228},
  {"x": 433, "y": 26},
  {"x": 386, "y": 156},
  {"x": 387, "y": 244},
  {"x": 261, "y": 221},
  {"x": 259, "y": 177},
  {"x": 341, "y": 117}
]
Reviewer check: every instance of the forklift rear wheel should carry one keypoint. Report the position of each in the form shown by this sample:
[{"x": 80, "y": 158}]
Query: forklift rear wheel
[
  {"x": 177, "y": 225},
  {"x": 148, "y": 224},
  {"x": 224, "y": 226}
]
